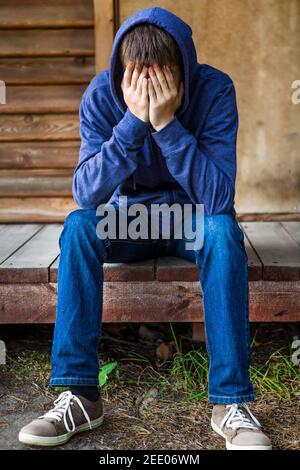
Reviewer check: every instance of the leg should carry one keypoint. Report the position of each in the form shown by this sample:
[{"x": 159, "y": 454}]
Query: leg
[
  {"x": 80, "y": 295},
  {"x": 224, "y": 281}
]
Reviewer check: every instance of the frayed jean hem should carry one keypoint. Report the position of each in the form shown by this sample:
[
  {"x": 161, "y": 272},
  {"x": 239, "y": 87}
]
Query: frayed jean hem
[
  {"x": 230, "y": 400},
  {"x": 66, "y": 381}
]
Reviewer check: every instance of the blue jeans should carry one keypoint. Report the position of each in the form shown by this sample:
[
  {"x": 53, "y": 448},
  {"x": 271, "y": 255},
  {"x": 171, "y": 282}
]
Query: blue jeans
[{"x": 223, "y": 279}]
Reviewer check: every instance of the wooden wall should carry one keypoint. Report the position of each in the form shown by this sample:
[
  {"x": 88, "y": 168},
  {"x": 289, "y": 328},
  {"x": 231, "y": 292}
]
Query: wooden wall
[
  {"x": 46, "y": 60},
  {"x": 47, "y": 51}
]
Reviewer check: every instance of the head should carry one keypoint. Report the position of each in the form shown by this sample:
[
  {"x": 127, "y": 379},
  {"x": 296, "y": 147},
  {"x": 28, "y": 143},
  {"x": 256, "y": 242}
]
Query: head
[{"x": 146, "y": 44}]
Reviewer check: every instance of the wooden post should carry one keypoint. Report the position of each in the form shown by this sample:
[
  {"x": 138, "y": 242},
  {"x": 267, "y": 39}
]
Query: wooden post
[{"x": 105, "y": 18}]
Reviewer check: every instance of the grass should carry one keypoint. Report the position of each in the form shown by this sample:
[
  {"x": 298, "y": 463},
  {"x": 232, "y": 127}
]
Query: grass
[{"x": 186, "y": 373}]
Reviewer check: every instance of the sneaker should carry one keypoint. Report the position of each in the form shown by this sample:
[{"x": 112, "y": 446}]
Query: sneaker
[
  {"x": 71, "y": 414},
  {"x": 239, "y": 427}
]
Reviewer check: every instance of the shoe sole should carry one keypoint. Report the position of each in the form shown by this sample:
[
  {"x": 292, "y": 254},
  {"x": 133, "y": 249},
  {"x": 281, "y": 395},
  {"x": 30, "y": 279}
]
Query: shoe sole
[
  {"x": 30, "y": 439},
  {"x": 230, "y": 446}
]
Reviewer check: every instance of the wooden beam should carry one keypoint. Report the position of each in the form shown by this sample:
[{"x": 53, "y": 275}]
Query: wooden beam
[
  {"x": 46, "y": 70},
  {"x": 149, "y": 301},
  {"x": 35, "y": 209},
  {"x": 104, "y": 12}
]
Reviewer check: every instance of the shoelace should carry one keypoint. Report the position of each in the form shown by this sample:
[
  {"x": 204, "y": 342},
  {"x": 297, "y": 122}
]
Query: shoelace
[
  {"x": 62, "y": 408},
  {"x": 237, "y": 418}
]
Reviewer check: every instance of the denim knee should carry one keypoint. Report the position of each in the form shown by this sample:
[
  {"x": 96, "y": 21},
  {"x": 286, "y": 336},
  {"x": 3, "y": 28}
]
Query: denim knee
[{"x": 80, "y": 229}]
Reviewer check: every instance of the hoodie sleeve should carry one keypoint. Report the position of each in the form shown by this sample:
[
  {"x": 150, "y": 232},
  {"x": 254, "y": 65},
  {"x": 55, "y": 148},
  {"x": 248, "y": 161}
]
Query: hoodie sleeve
[
  {"x": 206, "y": 169},
  {"x": 107, "y": 155}
]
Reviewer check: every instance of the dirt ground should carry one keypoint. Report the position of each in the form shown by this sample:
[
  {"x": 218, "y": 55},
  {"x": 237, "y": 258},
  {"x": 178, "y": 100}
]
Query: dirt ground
[{"x": 139, "y": 413}]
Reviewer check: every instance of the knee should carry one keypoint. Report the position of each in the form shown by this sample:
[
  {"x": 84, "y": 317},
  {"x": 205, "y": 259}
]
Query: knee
[
  {"x": 78, "y": 224},
  {"x": 222, "y": 230}
]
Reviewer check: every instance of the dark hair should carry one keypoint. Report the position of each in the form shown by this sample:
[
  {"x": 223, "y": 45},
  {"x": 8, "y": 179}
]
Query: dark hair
[{"x": 146, "y": 43}]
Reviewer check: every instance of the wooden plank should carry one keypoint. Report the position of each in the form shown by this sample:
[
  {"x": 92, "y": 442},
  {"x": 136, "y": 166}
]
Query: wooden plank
[
  {"x": 140, "y": 271},
  {"x": 268, "y": 216},
  {"x": 46, "y": 182},
  {"x": 13, "y": 236},
  {"x": 255, "y": 267},
  {"x": 42, "y": 13},
  {"x": 173, "y": 268},
  {"x": 31, "y": 261},
  {"x": 35, "y": 209},
  {"x": 293, "y": 228},
  {"x": 46, "y": 42},
  {"x": 278, "y": 252},
  {"x": 61, "y": 154},
  {"x": 30, "y": 127},
  {"x": 152, "y": 301},
  {"x": 43, "y": 99},
  {"x": 105, "y": 25},
  {"x": 46, "y": 70}
]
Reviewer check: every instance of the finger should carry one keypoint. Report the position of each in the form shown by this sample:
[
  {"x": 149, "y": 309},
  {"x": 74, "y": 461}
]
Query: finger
[
  {"x": 128, "y": 74},
  {"x": 170, "y": 78},
  {"x": 155, "y": 82},
  {"x": 151, "y": 90},
  {"x": 145, "y": 89},
  {"x": 135, "y": 76},
  {"x": 161, "y": 79},
  {"x": 141, "y": 78}
]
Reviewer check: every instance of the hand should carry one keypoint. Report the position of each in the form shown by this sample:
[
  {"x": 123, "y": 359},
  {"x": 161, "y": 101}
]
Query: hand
[
  {"x": 163, "y": 96},
  {"x": 135, "y": 90}
]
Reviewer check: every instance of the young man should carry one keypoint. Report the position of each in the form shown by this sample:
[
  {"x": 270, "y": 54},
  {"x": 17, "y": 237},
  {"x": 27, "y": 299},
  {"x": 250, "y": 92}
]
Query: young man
[{"x": 154, "y": 134}]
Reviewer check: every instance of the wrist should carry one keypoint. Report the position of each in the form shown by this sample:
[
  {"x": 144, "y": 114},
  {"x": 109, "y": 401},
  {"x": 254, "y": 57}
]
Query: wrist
[{"x": 161, "y": 125}]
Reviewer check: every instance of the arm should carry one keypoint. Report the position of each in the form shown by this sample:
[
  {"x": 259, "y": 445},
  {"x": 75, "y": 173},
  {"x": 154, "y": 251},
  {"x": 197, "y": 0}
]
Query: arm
[
  {"x": 206, "y": 169},
  {"x": 108, "y": 155}
]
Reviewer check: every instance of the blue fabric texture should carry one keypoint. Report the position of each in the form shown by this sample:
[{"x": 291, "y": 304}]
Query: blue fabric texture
[
  {"x": 223, "y": 280},
  {"x": 191, "y": 160}
]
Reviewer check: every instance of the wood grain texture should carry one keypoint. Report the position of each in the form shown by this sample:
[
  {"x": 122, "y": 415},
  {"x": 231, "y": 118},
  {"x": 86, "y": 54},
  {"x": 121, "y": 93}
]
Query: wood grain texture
[
  {"x": 105, "y": 24},
  {"x": 28, "y": 127},
  {"x": 46, "y": 42},
  {"x": 45, "y": 13},
  {"x": 29, "y": 155},
  {"x": 35, "y": 209},
  {"x": 30, "y": 263},
  {"x": 46, "y": 70},
  {"x": 278, "y": 252},
  {"x": 45, "y": 182},
  {"x": 43, "y": 99},
  {"x": 149, "y": 302},
  {"x": 14, "y": 236}
]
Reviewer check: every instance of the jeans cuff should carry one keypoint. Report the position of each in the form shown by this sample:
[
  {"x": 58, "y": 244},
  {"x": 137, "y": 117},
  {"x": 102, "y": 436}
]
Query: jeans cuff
[
  {"x": 230, "y": 400},
  {"x": 64, "y": 381}
]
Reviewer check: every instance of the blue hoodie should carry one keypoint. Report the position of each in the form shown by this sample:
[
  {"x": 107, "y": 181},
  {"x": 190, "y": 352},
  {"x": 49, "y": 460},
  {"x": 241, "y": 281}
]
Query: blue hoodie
[{"x": 191, "y": 160}]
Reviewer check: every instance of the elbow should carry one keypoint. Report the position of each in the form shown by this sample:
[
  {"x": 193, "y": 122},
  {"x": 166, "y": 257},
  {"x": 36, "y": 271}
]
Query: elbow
[
  {"x": 223, "y": 201},
  {"x": 81, "y": 195}
]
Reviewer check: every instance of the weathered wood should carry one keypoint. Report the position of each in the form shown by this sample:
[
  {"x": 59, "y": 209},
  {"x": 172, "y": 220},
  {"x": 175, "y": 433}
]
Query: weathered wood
[
  {"x": 17, "y": 155},
  {"x": 293, "y": 228},
  {"x": 278, "y": 252},
  {"x": 46, "y": 70},
  {"x": 30, "y": 263},
  {"x": 141, "y": 271},
  {"x": 104, "y": 32},
  {"x": 43, "y": 99},
  {"x": 46, "y": 182},
  {"x": 46, "y": 42},
  {"x": 30, "y": 127},
  {"x": 172, "y": 268},
  {"x": 268, "y": 216},
  {"x": 32, "y": 209},
  {"x": 13, "y": 236},
  {"x": 150, "y": 301},
  {"x": 254, "y": 264},
  {"x": 39, "y": 14}
]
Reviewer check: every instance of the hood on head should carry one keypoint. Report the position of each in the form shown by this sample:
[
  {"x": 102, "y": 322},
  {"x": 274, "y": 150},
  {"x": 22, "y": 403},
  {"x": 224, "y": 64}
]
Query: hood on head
[{"x": 177, "y": 28}]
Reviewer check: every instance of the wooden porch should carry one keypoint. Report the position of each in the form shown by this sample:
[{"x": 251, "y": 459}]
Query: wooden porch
[{"x": 158, "y": 290}]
